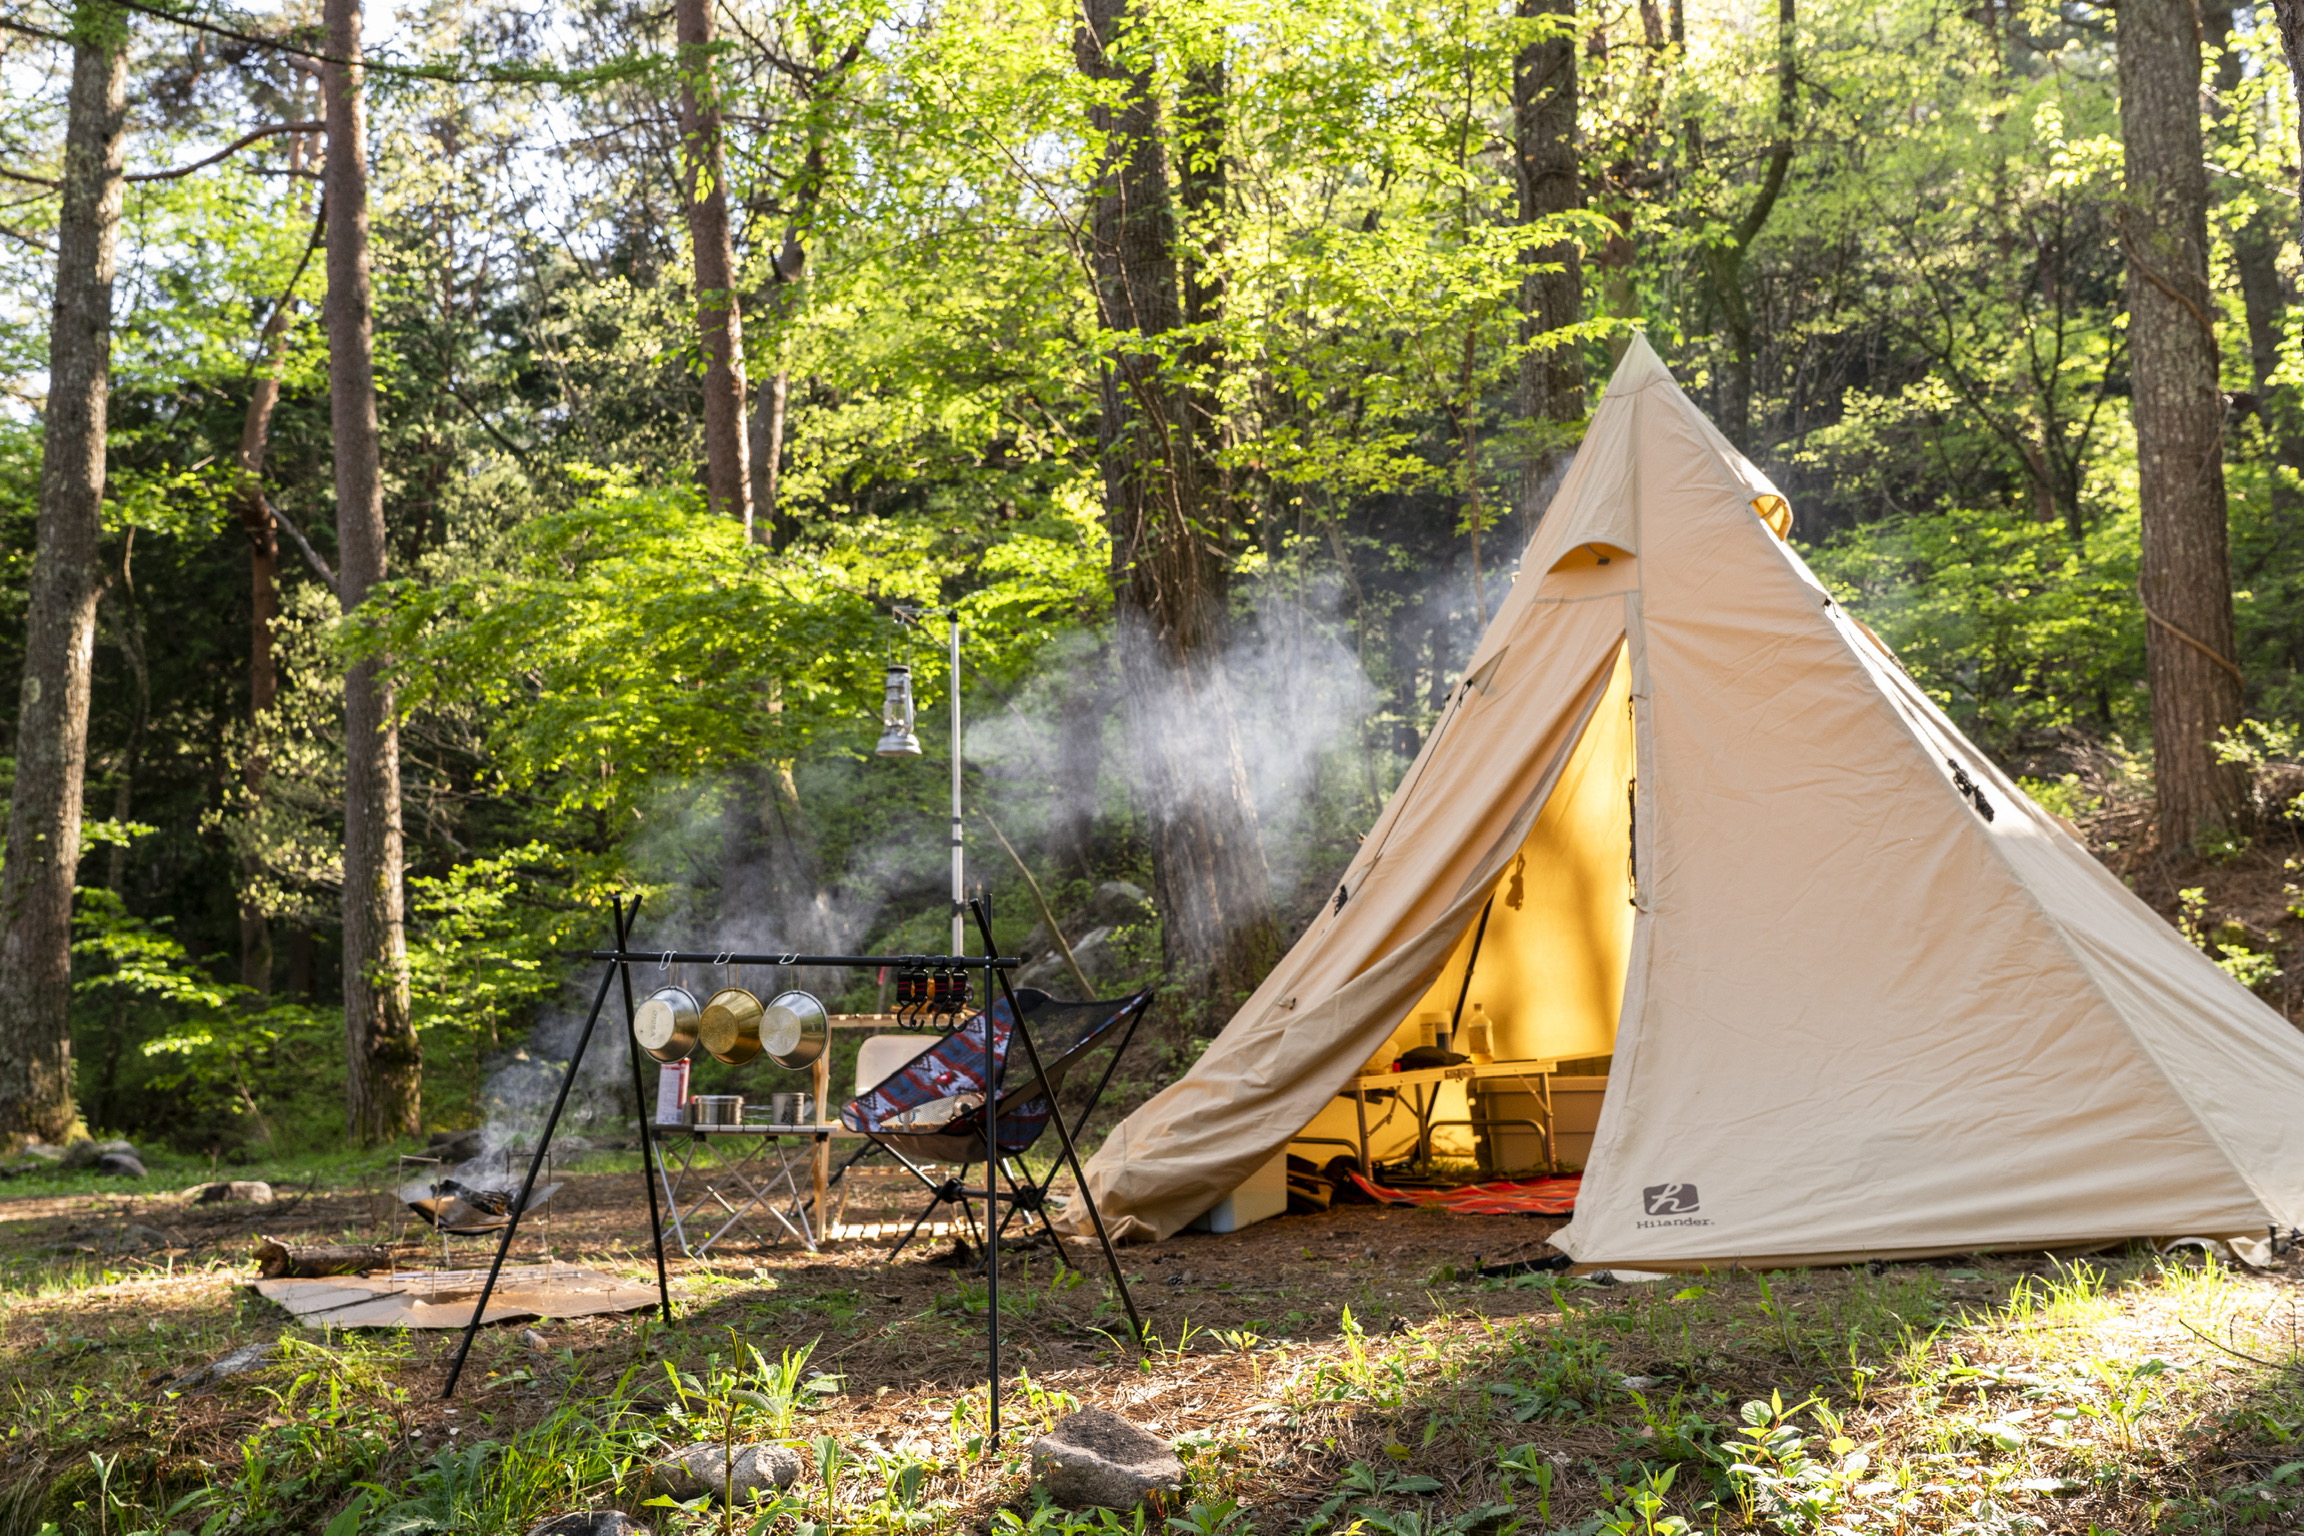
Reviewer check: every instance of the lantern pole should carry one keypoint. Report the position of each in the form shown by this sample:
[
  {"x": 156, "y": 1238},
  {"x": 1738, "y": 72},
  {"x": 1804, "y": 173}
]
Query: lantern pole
[{"x": 959, "y": 886}]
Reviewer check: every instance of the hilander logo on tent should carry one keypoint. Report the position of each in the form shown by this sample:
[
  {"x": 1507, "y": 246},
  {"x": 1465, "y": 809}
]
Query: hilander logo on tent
[{"x": 1674, "y": 1203}]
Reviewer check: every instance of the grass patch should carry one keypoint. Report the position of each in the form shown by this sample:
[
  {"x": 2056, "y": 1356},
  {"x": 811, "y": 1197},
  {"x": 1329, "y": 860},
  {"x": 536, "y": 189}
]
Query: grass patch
[{"x": 1317, "y": 1374}]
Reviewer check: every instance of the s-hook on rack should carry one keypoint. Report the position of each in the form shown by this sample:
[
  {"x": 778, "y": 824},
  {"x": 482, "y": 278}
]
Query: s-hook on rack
[{"x": 616, "y": 970}]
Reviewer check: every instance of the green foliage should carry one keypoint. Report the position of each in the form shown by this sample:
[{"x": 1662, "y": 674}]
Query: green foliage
[{"x": 2016, "y": 632}]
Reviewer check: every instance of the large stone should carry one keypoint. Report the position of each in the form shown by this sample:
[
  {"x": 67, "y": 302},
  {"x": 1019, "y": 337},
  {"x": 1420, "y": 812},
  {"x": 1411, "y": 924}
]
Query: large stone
[
  {"x": 1118, "y": 902},
  {"x": 1096, "y": 1458},
  {"x": 1049, "y": 973},
  {"x": 707, "y": 1468},
  {"x": 591, "y": 1522},
  {"x": 253, "y": 1191},
  {"x": 121, "y": 1165},
  {"x": 87, "y": 1154}
]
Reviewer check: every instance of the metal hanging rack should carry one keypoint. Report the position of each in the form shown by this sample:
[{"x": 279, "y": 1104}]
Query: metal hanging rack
[{"x": 616, "y": 969}]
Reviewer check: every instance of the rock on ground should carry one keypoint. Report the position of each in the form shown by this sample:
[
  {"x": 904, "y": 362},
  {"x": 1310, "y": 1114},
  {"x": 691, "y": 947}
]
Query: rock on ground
[
  {"x": 253, "y": 1191},
  {"x": 705, "y": 1468},
  {"x": 246, "y": 1358},
  {"x": 121, "y": 1165},
  {"x": 1098, "y": 1458},
  {"x": 88, "y": 1154},
  {"x": 591, "y": 1522}
]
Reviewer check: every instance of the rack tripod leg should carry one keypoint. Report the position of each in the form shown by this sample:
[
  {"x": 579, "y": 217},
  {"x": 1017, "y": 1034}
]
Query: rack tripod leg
[
  {"x": 528, "y": 1183},
  {"x": 1063, "y": 1132},
  {"x": 643, "y": 1112}
]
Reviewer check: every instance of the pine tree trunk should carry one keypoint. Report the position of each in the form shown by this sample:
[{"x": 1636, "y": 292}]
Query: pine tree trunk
[
  {"x": 1170, "y": 568},
  {"x": 384, "y": 1077},
  {"x": 704, "y": 174},
  {"x": 1551, "y": 181},
  {"x": 43, "y": 853},
  {"x": 2186, "y": 582}
]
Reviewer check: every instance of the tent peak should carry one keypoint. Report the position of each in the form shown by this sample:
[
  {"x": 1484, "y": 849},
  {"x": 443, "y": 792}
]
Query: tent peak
[{"x": 1638, "y": 368}]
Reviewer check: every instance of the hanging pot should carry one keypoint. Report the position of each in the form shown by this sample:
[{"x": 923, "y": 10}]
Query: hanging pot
[
  {"x": 795, "y": 1030},
  {"x": 730, "y": 1026},
  {"x": 665, "y": 1025}
]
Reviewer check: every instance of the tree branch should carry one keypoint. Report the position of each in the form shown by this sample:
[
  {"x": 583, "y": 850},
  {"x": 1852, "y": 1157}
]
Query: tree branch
[
  {"x": 227, "y": 152},
  {"x": 312, "y": 557}
]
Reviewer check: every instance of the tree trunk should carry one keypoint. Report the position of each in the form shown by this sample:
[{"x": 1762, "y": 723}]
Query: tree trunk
[
  {"x": 43, "y": 854},
  {"x": 767, "y": 455},
  {"x": 2264, "y": 299},
  {"x": 1724, "y": 261},
  {"x": 2263, "y": 296},
  {"x": 384, "y": 1079},
  {"x": 2186, "y": 583},
  {"x": 2288, "y": 16},
  {"x": 263, "y": 612},
  {"x": 704, "y": 173},
  {"x": 1170, "y": 566},
  {"x": 1551, "y": 181}
]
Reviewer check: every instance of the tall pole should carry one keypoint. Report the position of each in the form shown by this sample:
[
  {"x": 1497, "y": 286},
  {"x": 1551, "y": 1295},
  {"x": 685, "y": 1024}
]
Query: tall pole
[{"x": 959, "y": 886}]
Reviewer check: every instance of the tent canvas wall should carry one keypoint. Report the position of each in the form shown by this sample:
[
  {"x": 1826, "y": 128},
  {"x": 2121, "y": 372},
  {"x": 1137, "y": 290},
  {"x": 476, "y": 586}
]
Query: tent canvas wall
[{"x": 1862, "y": 997}]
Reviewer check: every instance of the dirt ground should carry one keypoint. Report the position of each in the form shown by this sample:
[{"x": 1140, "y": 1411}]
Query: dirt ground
[
  {"x": 903, "y": 1336},
  {"x": 1334, "y": 1366}
]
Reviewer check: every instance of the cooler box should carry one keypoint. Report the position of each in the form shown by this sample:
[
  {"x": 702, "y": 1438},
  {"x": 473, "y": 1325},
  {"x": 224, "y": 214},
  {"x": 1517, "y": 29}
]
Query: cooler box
[{"x": 1262, "y": 1194}]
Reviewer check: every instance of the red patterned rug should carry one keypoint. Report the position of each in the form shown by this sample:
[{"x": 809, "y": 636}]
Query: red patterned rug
[{"x": 1505, "y": 1197}]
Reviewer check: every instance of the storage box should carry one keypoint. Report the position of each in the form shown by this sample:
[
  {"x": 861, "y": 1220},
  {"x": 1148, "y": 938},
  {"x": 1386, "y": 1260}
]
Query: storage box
[
  {"x": 1262, "y": 1194},
  {"x": 1516, "y": 1148}
]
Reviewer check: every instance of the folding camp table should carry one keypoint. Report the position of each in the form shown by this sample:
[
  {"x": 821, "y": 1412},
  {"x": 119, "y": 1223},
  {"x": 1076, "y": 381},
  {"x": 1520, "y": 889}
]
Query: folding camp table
[
  {"x": 1420, "y": 1090},
  {"x": 757, "y": 1159}
]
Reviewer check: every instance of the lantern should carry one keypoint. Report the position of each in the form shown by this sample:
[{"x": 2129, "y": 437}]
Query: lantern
[{"x": 896, "y": 735}]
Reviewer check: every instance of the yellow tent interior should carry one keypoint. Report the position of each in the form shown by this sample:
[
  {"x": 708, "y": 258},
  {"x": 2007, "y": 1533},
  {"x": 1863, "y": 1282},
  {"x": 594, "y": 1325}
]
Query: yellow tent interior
[{"x": 1548, "y": 979}]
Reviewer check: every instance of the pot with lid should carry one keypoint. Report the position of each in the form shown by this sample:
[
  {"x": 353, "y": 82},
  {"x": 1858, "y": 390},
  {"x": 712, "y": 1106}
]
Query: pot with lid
[
  {"x": 665, "y": 1025},
  {"x": 716, "y": 1109},
  {"x": 794, "y": 1030}
]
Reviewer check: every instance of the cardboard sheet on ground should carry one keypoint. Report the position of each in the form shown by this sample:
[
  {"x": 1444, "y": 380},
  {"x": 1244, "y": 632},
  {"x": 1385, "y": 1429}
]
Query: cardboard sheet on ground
[{"x": 445, "y": 1298}]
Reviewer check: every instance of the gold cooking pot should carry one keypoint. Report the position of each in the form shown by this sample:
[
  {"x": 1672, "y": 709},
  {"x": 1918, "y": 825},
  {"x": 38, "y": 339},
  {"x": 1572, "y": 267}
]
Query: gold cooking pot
[{"x": 730, "y": 1027}]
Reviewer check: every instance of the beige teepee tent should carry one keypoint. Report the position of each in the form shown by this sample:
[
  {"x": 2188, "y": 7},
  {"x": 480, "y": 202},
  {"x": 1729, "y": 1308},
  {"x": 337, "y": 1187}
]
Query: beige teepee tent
[{"x": 1861, "y": 997}]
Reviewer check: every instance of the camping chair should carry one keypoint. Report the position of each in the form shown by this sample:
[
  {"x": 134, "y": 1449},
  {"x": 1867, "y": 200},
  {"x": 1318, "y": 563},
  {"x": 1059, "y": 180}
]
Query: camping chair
[{"x": 931, "y": 1109}]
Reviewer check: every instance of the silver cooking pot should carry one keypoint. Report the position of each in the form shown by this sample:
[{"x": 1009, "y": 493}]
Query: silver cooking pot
[
  {"x": 665, "y": 1025},
  {"x": 794, "y": 1030},
  {"x": 716, "y": 1109}
]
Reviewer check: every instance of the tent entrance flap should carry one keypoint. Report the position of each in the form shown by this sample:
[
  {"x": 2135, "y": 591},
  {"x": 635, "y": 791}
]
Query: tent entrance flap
[
  {"x": 1549, "y": 972},
  {"x": 1544, "y": 958}
]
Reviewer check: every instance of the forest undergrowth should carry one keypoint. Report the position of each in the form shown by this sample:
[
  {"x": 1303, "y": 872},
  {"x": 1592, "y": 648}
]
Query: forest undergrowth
[{"x": 1321, "y": 1374}]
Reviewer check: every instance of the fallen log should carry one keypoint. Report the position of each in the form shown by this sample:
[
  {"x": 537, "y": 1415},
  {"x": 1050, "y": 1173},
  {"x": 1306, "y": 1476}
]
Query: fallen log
[{"x": 276, "y": 1260}]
